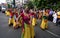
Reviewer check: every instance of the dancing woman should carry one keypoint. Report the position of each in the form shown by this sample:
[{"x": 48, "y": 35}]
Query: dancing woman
[
  {"x": 12, "y": 18},
  {"x": 26, "y": 25},
  {"x": 44, "y": 23}
]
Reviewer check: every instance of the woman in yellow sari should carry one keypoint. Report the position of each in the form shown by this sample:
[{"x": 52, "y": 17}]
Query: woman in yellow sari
[
  {"x": 33, "y": 15},
  {"x": 27, "y": 30},
  {"x": 13, "y": 18},
  {"x": 44, "y": 23}
]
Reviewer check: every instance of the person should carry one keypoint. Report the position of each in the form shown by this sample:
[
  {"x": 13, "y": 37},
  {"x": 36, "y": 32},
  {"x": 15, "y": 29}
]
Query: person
[
  {"x": 44, "y": 22},
  {"x": 33, "y": 14},
  {"x": 54, "y": 17},
  {"x": 58, "y": 18},
  {"x": 27, "y": 30},
  {"x": 50, "y": 18},
  {"x": 20, "y": 18},
  {"x": 12, "y": 18},
  {"x": 40, "y": 14}
]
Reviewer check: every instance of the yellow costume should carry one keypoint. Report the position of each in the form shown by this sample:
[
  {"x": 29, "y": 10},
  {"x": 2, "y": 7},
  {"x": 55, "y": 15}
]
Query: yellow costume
[
  {"x": 28, "y": 31},
  {"x": 12, "y": 21},
  {"x": 33, "y": 21},
  {"x": 7, "y": 13},
  {"x": 27, "y": 28},
  {"x": 44, "y": 22},
  {"x": 58, "y": 13}
]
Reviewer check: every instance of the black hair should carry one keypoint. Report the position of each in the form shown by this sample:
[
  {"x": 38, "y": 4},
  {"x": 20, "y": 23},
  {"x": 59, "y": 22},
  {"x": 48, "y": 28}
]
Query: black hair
[{"x": 27, "y": 10}]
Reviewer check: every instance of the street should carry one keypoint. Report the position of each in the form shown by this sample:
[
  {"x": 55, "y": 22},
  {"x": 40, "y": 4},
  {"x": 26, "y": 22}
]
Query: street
[{"x": 8, "y": 32}]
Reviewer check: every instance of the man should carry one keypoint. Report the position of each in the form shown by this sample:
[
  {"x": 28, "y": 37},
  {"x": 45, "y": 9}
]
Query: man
[
  {"x": 54, "y": 16},
  {"x": 50, "y": 15}
]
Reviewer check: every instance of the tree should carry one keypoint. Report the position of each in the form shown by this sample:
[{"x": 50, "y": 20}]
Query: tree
[{"x": 54, "y": 4}]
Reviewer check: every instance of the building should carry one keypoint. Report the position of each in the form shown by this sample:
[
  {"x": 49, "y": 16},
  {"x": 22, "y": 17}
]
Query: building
[{"x": 17, "y": 2}]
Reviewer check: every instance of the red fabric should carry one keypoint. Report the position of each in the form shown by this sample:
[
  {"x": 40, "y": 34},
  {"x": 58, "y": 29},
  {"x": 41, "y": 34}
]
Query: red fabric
[
  {"x": 33, "y": 14},
  {"x": 25, "y": 19},
  {"x": 11, "y": 14},
  {"x": 22, "y": 14},
  {"x": 16, "y": 15}
]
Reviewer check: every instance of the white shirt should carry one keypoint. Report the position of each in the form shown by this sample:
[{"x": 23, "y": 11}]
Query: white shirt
[{"x": 55, "y": 15}]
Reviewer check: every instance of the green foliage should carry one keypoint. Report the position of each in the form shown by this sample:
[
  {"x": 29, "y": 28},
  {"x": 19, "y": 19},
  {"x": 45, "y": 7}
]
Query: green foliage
[
  {"x": 9, "y": 6},
  {"x": 30, "y": 5},
  {"x": 54, "y": 4}
]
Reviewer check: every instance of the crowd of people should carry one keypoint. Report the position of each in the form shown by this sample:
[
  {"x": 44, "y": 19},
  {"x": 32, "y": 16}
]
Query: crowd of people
[{"x": 27, "y": 19}]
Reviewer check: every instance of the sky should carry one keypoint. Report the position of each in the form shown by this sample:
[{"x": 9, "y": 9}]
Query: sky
[{"x": 2, "y": 1}]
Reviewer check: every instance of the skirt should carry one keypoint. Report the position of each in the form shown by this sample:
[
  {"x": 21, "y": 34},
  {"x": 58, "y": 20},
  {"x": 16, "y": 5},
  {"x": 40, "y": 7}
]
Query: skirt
[
  {"x": 28, "y": 31},
  {"x": 12, "y": 21},
  {"x": 44, "y": 24},
  {"x": 33, "y": 21}
]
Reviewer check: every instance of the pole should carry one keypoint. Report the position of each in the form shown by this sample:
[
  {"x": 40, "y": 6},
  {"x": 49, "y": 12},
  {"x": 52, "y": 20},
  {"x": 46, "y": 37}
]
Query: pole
[{"x": 14, "y": 3}]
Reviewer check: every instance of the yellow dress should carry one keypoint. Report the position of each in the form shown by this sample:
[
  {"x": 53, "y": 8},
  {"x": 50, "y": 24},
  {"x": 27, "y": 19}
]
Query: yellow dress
[
  {"x": 28, "y": 31},
  {"x": 33, "y": 21},
  {"x": 7, "y": 13},
  {"x": 12, "y": 21},
  {"x": 44, "y": 23},
  {"x": 58, "y": 14}
]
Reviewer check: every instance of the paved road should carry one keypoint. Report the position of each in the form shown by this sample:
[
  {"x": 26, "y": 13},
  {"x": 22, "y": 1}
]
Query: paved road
[{"x": 8, "y": 32}]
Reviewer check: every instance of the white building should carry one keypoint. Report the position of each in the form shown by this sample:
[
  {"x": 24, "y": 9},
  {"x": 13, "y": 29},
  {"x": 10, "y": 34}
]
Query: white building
[
  {"x": 9, "y": 1},
  {"x": 17, "y": 2},
  {"x": 20, "y": 2}
]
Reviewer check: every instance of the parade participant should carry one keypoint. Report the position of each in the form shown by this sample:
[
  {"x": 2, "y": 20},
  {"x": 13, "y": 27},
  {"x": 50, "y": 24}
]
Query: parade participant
[
  {"x": 26, "y": 25},
  {"x": 12, "y": 19},
  {"x": 58, "y": 18},
  {"x": 33, "y": 14},
  {"x": 50, "y": 18},
  {"x": 40, "y": 14},
  {"x": 7, "y": 12},
  {"x": 44, "y": 22},
  {"x": 20, "y": 18},
  {"x": 54, "y": 17},
  {"x": 15, "y": 16}
]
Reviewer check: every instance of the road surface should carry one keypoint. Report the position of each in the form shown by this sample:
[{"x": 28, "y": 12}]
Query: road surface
[{"x": 9, "y": 32}]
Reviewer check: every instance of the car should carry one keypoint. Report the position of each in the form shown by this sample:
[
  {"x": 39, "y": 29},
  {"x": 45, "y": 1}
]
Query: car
[{"x": 3, "y": 9}]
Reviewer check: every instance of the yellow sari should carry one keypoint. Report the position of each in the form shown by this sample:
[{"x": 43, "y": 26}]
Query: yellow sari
[
  {"x": 58, "y": 14},
  {"x": 44, "y": 22},
  {"x": 28, "y": 31},
  {"x": 33, "y": 21},
  {"x": 7, "y": 13}
]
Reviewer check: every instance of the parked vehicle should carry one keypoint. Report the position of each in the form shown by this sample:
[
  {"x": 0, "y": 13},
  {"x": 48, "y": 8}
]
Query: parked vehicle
[{"x": 3, "y": 9}]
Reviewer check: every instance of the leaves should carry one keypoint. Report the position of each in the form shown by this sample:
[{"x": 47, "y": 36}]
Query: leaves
[{"x": 54, "y": 4}]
